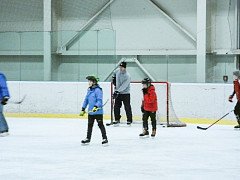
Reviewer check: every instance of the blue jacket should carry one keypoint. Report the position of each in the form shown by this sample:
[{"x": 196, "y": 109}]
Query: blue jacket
[
  {"x": 3, "y": 87},
  {"x": 93, "y": 98}
]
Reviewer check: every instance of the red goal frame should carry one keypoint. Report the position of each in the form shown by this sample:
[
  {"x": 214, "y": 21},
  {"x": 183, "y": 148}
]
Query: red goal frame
[{"x": 155, "y": 82}]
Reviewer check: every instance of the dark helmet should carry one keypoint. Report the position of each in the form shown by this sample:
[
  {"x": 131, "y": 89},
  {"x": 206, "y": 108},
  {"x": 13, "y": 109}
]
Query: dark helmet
[
  {"x": 236, "y": 73},
  {"x": 93, "y": 79},
  {"x": 123, "y": 64},
  {"x": 146, "y": 81}
]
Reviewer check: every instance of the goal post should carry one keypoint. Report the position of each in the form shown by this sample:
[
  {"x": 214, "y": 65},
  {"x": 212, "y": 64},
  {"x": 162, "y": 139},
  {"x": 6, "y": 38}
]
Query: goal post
[{"x": 165, "y": 115}]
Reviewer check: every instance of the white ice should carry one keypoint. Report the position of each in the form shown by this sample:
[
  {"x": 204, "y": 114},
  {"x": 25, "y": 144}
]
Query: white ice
[{"x": 51, "y": 149}]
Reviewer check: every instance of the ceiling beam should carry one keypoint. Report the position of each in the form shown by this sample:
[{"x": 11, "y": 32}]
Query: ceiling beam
[
  {"x": 173, "y": 21},
  {"x": 66, "y": 46}
]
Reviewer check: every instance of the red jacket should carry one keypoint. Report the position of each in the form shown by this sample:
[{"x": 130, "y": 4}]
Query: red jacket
[
  {"x": 237, "y": 89},
  {"x": 150, "y": 99}
]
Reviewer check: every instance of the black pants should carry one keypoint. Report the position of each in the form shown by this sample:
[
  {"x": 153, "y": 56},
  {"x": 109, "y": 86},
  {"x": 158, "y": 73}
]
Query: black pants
[
  {"x": 237, "y": 109},
  {"x": 125, "y": 98},
  {"x": 99, "y": 119},
  {"x": 145, "y": 117},
  {"x": 237, "y": 112}
]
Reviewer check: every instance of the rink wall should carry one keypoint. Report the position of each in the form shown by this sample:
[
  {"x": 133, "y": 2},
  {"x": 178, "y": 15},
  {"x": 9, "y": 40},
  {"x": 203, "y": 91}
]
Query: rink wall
[{"x": 193, "y": 103}]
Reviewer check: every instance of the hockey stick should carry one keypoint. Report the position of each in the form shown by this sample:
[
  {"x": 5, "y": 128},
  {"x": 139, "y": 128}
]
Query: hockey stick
[
  {"x": 113, "y": 103},
  {"x": 214, "y": 122},
  {"x": 100, "y": 107},
  {"x": 18, "y": 102}
]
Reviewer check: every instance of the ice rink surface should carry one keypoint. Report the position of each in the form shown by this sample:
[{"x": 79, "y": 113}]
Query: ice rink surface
[{"x": 51, "y": 149}]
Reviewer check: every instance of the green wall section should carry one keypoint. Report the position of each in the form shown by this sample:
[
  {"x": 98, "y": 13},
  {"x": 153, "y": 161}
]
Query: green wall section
[
  {"x": 76, "y": 68},
  {"x": 22, "y": 68}
]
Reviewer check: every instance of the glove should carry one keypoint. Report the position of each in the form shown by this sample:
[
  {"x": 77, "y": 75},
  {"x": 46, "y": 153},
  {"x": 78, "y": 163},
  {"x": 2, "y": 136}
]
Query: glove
[
  {"x": 144, "y": 90},
  {"x": 4, "y": 100},
  {"x": 95, "y": 109},
  {"x": 142, "y": 109},
  {"x": 82, "y": 113},
  {"x": 115, "y": 94},
  {"x": 230, "y": 98}
]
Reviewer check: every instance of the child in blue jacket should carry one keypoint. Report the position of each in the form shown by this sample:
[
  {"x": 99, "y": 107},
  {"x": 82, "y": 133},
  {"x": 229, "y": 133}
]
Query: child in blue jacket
[
  {"x": 4, "y": 96},
  {"x": 94, "y": 102}
]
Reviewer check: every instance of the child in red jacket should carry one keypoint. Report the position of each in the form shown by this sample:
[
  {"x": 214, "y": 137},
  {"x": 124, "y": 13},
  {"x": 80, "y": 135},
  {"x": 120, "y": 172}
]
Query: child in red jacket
[{"x": 149, "y": 107}]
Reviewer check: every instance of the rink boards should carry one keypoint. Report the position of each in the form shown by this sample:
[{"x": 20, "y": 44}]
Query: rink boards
[{"x": 193, "y": 103}]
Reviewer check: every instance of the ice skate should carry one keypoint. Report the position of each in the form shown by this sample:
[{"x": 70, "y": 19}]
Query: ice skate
[{"x": 144, "y": 134}]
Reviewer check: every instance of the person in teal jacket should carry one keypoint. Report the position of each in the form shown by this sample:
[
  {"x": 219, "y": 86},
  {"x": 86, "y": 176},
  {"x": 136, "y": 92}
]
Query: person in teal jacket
[{"x": 94, "y": 101}]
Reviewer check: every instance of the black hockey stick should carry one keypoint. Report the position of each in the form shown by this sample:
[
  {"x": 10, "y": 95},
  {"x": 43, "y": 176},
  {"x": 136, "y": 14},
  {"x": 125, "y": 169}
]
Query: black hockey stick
[
  {"x": 17, "y": 102},
  {"x": 112, "y": 107},
  {"x": 100, "y": 107},
  {"x": 214, "y": 122}
]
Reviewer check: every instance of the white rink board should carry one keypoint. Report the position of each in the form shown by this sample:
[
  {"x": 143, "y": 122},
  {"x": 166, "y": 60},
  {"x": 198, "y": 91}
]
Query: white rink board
[
  {"x": 202, "y": 100},
  {"x": 189, "y": 100},
  {"x": 51, "y": 97}
]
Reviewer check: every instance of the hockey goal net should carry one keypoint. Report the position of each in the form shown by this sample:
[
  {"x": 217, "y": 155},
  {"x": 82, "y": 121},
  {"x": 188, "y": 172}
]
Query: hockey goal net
[{"x": 165, "y": 114}]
